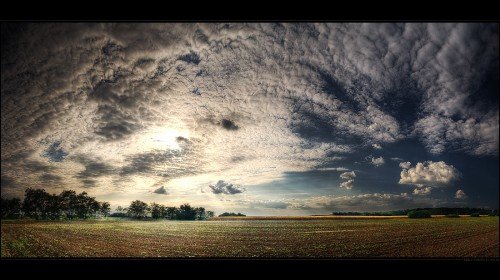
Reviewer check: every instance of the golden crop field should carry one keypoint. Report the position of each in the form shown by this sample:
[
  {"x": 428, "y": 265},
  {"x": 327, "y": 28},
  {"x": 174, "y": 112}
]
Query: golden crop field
[{"x": 255, "y": 238}]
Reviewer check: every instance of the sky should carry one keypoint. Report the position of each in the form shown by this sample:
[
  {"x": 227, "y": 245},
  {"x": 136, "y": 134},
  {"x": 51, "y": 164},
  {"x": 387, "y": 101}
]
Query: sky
[{"x": 258, "y": 118}]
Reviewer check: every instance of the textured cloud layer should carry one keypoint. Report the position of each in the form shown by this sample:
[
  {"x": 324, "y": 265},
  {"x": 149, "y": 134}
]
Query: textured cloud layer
[{"x": 123, "y": 107}]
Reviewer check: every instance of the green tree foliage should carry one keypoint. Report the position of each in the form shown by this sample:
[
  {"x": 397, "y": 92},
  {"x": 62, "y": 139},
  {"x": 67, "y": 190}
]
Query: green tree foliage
[
  {"x": 39, "y": 204},
  {"x": 10, "y": 208},
  {"x": 158, "y": 211},
  {"x": 138, "y": 209},
  {"x": 171, "y": 213},
  {"x": 186, "y": 212},
  {"x": 105, "y": 209}
]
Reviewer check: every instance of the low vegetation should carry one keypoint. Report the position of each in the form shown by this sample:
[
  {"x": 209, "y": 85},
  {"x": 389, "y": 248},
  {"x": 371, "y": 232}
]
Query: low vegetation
[
  {"x": 231, "y": 214},
  {"x": 433, "y": 211},
  {"x": 419, "y": 214},
  {"x": 452, "y": 216},
  {"x": 312, "y": 237}
]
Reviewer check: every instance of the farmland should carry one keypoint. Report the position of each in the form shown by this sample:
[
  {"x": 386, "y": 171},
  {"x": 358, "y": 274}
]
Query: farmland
[{"x": 297, "y": 237}]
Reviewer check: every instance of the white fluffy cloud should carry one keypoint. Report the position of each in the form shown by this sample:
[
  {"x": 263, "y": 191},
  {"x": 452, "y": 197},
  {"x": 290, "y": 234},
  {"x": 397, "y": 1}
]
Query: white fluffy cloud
[
  {"x": 348, "y": 175},
  {"x": 460, "y": 194},
  {"x": 422, "y": 191},
  {"x": 430, "y": 173},
  {"x": 347, "y": 184},
  {"x": 405, "y": 165},
  {"x": 377, "y": 161},
  {"x": 377, "y": 146}
]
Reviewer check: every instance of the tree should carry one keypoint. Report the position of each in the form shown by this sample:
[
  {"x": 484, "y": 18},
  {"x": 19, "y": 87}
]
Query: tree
[
  {"x": 210, "y": 214},
  {"x": 35, "y": 203},
  {"x": 10, "y": 207},
  {"x": 105, "y": 208},
  {"x": 186, "y": 212},
  {"x": 138, "y": 209},
  {"x": 53, "y": 207},
  {"x": 157, "y": 211},
  {"x": 67, "y": 202},
  {"x": 171, "y": 213},
  {"x": 419, "y": 214}
]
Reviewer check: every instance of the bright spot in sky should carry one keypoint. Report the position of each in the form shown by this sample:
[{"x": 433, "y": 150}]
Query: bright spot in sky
[{"x": 163, "y": 138}]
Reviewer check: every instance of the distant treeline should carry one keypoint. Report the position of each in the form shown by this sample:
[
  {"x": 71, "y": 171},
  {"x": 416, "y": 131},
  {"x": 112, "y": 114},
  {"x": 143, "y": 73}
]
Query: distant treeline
[
  {"x": 40, "y": 205},
  {"x": 231, "y": 214},
  {"x": 141, "y": 210},
  {"x": 432, "y": 211}
]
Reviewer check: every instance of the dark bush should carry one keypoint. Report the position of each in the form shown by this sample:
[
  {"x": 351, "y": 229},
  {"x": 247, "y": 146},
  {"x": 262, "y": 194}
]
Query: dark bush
[
  {"x": 231, "y": 214},
  {"x": 475, "y": 215},
  {"x": 452, "y": 216},
  {"x": 419, "y": 214}
]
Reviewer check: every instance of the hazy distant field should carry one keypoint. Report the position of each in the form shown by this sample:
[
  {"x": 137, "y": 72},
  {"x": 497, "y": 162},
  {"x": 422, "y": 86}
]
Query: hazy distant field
[{"x": 282, "y": 238}]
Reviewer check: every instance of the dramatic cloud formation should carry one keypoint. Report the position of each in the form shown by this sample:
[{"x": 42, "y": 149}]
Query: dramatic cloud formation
[
  {"x": 280, "y": 108},
  {"x": 430, "y": 173}
]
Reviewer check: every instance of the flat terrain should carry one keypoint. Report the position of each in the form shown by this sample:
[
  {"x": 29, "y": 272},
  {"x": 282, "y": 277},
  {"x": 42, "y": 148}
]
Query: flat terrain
[{"x": 298, "y": 237}]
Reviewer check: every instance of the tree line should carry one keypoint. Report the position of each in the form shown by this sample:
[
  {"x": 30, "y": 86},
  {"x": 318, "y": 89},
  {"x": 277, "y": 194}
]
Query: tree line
[
  {"x": 40, "y": 205},
  {"x": 432, "y": 211},
  {"x": 141, "y": 210}
]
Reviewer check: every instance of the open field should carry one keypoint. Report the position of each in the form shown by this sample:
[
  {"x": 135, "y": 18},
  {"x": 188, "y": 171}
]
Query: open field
[{"x": 297, "y": 237}]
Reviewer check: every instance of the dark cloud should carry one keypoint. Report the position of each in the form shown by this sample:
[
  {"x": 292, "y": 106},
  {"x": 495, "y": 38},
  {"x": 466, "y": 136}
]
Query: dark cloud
[
  {"x": 146, "y": 162},
  {"x": 115, "y": 125},
  {"x": 93, "y": 168},
  {"x": 222, "y": 187},
  {"x": 88, "y": 183},
  {"x": 36, "y": 166},
  {"x": 228, "y": 124},
  {"x": 51, "y": 179},
  {"x": 6, "y": 182},
  {"x": 160, "y": 190},
  {"x": 55, "y": 152},
  {"x": 191, "y": 57},
  {"x": 238, "y": 159},
  {"x": 181, "y": 139},
  {"x": 225, "y": 123}
]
